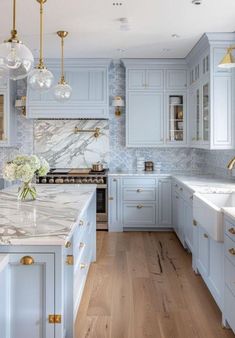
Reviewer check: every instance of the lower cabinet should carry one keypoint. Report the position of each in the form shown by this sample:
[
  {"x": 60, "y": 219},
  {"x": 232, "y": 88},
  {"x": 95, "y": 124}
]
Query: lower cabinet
[
  {"x": 139, "y": 203},
  {"x": 209, "y": 262},
  {"x": 27, "y": 284},
  {"x": 41, "y": 286}
]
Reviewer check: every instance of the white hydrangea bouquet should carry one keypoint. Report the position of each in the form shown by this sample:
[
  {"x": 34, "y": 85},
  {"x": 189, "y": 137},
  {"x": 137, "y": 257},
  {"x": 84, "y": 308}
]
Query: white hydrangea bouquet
[{"x": 24, "y": 168}]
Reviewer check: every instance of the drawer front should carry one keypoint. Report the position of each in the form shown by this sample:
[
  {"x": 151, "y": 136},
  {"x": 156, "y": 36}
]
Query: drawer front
[
  {"x": 230, "y": 275},
  {"x": 139, "y": 214},
  {"x": 229, "y": 247},
  {"x": 139, "y": 194},
  {"x": 139, "y": 182},
  {"x": 229, "y": 308},
  {"x": 230, "y": 230}
]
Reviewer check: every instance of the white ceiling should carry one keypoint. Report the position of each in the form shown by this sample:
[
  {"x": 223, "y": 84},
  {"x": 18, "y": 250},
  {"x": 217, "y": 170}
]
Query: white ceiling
[{"x": 95, "y": 29}]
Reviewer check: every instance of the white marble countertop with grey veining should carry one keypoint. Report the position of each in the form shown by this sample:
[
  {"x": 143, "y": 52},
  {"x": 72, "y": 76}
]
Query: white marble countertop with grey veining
[
  {"x": 49, "y": 220},
  {"x": 196, "y": 183}
]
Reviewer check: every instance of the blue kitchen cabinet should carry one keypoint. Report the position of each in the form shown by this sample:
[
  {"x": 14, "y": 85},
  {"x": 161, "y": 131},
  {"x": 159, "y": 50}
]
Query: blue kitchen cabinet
[
  {"x": 89, "y": 99},
  {"x": 144, "y": 120},
  {"x": 28, "y": 296},
  {"x": 176, "y": 79},
  {"x": 143, "y": 79},
  {"x": 165, "y": 204},
  {"x": 115, "y": 207}
]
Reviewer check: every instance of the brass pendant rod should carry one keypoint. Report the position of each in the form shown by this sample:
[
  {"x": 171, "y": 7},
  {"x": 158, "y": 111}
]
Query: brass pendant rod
[
  {"x": 62, "y": 60},
  {"x": 14, "y": 31},
  {"x": 41, "y": 35},
  {"x": 14, "y": 15}
]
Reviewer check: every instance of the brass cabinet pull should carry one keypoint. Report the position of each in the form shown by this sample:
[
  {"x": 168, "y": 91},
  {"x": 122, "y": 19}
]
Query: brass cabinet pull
[
  {"x": 181, "y": 189},
  {"x": 176, "y": 185},
  {"x": 111, "y": 198},
  {"x": 114, "y": 180},
  {"x": 68, "y": 244},
  {"x": 139, "y": 206},
  {"x": 82, "y": 245},
  {"x": 82, "y": 266},
  {"x": 194, "y": 222},
  {"x": 177, "y": 197},
  {"x": 27, "y": 260},
  {"x": 81, "y": 223},
  {"x": 232, "y": 251},
  {"x": 54, "y": 319},
  {"x": 232, "y": 231},
  {"x": 205, "y": 235},
  {"x": 139, "y": 190},
  {"x": 69, "y": 260},
  {"x": 191, "y": 197}
]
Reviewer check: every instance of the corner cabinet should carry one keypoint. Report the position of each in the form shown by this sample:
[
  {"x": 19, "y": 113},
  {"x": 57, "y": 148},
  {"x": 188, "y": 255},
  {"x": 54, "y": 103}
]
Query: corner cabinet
[
  {"x": 89, "y": 99},
  {"x": 8, "y": 115},
  {"x": 151, "y": 118},
  {"x": 211, "y": 101}
]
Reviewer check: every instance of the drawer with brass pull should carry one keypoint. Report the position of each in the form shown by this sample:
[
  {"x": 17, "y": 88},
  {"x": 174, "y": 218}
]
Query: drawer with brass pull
[
  {"x": 229, "y": 247},
  {"x": 230, "y": 230},
  {"x": 139, "y": 194},
  {"x": 139, "y": 214}
]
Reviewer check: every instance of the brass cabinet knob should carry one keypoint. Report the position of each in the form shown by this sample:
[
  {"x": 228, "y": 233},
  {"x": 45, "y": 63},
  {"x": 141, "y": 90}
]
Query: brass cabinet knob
[
  {"x": 139, "y": 206},
  {"x": 82, "y": 266},
  {"x": 232, "y": 251},
  {"x": 194, "y": 222},
  {"x": 68, "y": 244},
  {"x": 139, "y": 190},
  {"x": 176, "y": 185},
  {"x": 191, "y": 197},
  {"x": 232, "y": 231},
  {"x": 111, "y": 198},
  {"x": 205, "y": 235},
  {"x": 181, "y": 189},
  {"x": 27, "y": 260},
  {"x": 114, "y": 180},
  {"x": 177, "y": 197},
  {"x": 81, "y": 223}
]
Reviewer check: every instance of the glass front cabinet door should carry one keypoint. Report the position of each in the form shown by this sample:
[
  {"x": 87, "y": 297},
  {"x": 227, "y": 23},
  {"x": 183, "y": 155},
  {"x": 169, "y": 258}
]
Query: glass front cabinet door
[
  {"x": 205, "y": 112},
  {"x": 176, "y": 124}
]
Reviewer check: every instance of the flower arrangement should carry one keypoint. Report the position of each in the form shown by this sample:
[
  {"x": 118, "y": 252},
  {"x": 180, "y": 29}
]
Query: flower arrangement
[{"x": 24, "y": 168}]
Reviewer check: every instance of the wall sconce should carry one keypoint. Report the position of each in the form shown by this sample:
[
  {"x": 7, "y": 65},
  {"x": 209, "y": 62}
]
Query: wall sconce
[
  {"x": 117, "y": 103},
  {"x": 21, "y": 104},
  {"x": 228, "y": 60}
]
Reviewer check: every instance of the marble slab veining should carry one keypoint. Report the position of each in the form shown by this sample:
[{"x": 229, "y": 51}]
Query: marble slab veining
[
  {"x": 56, "y": 141},
  {"x": 49, "y": 220}
]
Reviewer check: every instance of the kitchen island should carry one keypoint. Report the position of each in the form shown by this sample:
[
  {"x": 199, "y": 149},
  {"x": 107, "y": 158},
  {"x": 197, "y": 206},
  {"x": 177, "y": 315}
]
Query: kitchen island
[{"x": 46, "y": 247}]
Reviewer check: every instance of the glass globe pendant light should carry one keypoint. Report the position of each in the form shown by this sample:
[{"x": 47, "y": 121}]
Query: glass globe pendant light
[
  {"x": 41, "y": 78},
  {"x": 16, "y": 60},
  {"x": 62, "y": 90}
]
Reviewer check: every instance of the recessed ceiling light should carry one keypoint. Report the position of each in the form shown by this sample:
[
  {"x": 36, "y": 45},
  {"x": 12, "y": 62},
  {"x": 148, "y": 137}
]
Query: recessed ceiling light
[
  {"x": 196, "y": 2},
  {"x": 176, "y": 36}
]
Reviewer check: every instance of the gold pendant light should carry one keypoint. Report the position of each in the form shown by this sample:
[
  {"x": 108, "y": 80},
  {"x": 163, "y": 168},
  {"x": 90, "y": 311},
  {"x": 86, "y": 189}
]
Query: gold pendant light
[
  {"x": 62, "y": 91},
  {"x": 41, "y": 78},
  {"x": 228, "y": 60},
  {"x": 15, "y": 57}
]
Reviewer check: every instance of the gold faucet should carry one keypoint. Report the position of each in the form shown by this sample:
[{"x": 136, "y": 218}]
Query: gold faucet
[{"x": 231, "y": 164}]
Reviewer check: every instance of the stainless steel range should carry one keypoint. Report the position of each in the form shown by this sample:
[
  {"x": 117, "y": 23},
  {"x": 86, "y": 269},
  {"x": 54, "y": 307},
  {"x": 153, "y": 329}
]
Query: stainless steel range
[{"x": 84, "y": 176}]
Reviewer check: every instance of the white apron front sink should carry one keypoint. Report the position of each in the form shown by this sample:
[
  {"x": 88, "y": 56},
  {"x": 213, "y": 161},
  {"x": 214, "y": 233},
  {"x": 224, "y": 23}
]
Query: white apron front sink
[{"x": 207, "y": 211}]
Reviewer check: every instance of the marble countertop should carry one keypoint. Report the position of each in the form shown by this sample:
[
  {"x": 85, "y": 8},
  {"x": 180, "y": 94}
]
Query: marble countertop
[{"x": 49, "y": 220}]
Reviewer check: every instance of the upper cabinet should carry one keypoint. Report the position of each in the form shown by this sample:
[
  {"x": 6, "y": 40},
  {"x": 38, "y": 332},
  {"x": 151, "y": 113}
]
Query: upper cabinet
[
  {"x": 211, "y": 103},
  {"x": 156, "y": 92},
  {"x": 7, "y": 115},
  {"x": 90, "y": 99}
]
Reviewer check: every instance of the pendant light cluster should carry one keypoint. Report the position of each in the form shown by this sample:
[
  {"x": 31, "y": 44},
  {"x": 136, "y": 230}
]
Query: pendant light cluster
[{"x": 16, "y": 61}]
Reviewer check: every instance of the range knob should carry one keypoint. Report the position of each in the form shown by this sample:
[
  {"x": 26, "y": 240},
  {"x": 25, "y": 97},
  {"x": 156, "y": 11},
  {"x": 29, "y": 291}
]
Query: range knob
[
  {"x": 84, "y": 180},
  {"x": 90, "y": 180},
  {"x": 95, "y": 181},
  {"x": 101, "y": 181},
  {"x": 71, "y": 180},
  {"x": 43, "y": 180},
  {"x": 59, "y": 180},
  {"x": 51, "y": 180},
  {"x": 66, "y": 180}
]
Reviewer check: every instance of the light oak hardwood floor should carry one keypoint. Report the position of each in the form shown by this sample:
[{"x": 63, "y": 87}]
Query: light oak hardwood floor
[{"x": 143, "y": 286}]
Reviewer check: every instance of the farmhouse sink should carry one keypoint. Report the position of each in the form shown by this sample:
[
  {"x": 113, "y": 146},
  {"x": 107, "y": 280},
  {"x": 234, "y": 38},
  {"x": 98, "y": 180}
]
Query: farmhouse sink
[{"x": 207, "y": 211}]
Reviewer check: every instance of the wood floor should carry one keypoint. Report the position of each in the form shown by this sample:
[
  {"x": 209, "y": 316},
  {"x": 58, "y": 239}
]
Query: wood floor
[{"x": 142, "y": 285}]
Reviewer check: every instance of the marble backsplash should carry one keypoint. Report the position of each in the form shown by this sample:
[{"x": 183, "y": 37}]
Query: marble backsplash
[
  {"x": 68, "y": 149},
  {"x": 56, "y": 141}
]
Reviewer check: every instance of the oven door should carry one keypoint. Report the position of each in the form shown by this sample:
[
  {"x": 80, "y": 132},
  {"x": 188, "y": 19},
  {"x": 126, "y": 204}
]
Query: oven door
[{"x": 101, "y": 207}]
